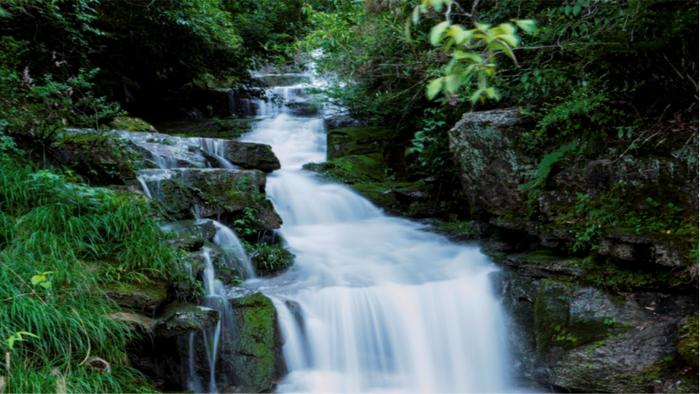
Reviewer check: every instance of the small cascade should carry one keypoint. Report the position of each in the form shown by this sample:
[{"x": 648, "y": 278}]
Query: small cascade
[
  {"x": 234, "y": 253},
  {"x": 215, "y": 298},
  {"x": 215, "y": 148}
]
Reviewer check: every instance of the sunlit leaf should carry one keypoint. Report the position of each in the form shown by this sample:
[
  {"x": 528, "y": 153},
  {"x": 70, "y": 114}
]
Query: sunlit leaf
[
  {"x": 434, "y": 87},
  {"x": 437, "y": 31},
  {"x": 527, "y": 25}
]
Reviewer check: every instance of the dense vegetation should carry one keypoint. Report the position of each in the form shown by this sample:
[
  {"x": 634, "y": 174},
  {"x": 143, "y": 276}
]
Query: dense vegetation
[
  {"x": 595, "y": 80},
  {"x": 83, "y": 64}
]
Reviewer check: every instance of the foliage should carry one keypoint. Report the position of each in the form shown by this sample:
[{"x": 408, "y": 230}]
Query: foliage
[
  {"x": 60, "y": 243},
  {"x": 544, "y": 168},
  {"x": 269, "y": 259},
  {"x": 473, "y": 52}
]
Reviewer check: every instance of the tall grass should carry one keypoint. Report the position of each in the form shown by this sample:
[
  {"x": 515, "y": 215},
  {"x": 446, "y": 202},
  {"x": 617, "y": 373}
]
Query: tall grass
[{"x": 60, "y": 243}]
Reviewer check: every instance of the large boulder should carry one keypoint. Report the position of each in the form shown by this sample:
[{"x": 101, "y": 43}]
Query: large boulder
[
  {"x": 95, "y": 155},
  {"x": 190, "y": 234},
  {"x": 361, "y": 141},
  {"x": 580, "y": 338},
  {"x": 489, "y": 164},
  {"x": 214, "y": 193},
  {"x": 181, "y": 319},
  {"x": 251, "y": 155}
]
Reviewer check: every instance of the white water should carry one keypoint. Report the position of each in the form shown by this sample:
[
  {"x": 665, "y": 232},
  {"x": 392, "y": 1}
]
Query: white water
[{"x": 373, "y": 303}]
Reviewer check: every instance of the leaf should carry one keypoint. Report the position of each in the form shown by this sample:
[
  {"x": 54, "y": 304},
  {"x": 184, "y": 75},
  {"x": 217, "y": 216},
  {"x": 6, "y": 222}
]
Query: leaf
[
  {"x": 475, "y": 57},
  {"x": 434, "y": 87},
  {"x": 527, "y": 25},
  {"x": 36, "y": 279},
  {"x": 577, "y": 8},
  {"x": 416, "y": 15},
  {"x": 437, "y": 31},
  {"x": 452, "y": 83}
]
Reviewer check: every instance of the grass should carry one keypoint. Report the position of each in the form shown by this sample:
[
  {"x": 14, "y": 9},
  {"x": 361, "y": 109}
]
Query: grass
[{"x": 60, "y": 244}]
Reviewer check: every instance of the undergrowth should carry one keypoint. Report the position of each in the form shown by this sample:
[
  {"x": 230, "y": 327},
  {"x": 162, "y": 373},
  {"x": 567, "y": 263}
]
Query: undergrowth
[{"x": 60, "y": 244}]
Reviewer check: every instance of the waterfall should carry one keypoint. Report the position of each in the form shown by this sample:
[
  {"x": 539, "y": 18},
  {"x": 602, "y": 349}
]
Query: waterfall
[
  {"x": 234, "y": 253},
  {"x": 373, "y": 303}
]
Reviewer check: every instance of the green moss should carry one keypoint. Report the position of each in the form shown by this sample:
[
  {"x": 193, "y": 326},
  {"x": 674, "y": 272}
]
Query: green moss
[
  {"x": 556, "y": 327},
  {"x": 688, "y": 341},
  {"x": 609, "y": 275},
  {"x": 209, "y": 128},
  {"x": 257, "y": 363},
  {"x": 457, "y": 228},
  {"x": 131, "y": 124},
  {"x": 359, "y": 140},
  {"x": 352, "y": 168}
]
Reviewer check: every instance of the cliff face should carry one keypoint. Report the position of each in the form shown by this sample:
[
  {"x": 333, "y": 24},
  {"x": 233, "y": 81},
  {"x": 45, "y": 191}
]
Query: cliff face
[{"x": 599, "y": 254}]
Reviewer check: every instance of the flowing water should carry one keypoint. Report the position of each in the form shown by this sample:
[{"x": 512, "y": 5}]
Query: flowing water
[{"x": 373, "y": 303}]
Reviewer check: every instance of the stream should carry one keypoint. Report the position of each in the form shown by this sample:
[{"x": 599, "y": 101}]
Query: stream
[{"x": 373, "y": 303}]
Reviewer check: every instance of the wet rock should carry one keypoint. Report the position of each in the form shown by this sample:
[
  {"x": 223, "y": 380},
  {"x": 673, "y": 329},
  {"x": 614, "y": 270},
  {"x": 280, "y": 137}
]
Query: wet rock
[
  {"x": 304, "y": 108},
  {"x": 95, "y": 155},
  {"x": 225, "y": 270},
  {"x": 190, "y": 234},
  {"x": 251, "y": 156},
  {"x": 180, "y": 319},
  {"x": 253, "y": 360},
  {"x": 642, "y": 249},
  {"x": 489, "y": 165},
  {"x": 687, "y": 345},
  {"x": 165, "y": 151},
  {"x": 143, "y": 297},
  {"x": 215, "y": 193},
  {"x": 283, "y": 79}
]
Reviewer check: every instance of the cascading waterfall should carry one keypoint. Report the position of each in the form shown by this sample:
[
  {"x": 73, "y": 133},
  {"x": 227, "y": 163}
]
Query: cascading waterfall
[{"x": 373, "y": 303}]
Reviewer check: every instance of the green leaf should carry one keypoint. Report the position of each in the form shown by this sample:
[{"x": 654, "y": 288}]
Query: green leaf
[
  {"x": 416, "y": 15},
  {"x": 452, "y": 83},
  {"x": 475, "y": 57},
  {"x": 527, "y": 25},
  {"x": 434, "y": 87},
  {"x": 437, "y": 31},
  {"x": 577, "y": 8},
  {"x": 36, "y": 279}
]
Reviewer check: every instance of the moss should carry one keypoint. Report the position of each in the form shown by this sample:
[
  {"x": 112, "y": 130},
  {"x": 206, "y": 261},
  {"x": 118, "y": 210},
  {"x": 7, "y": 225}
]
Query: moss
[
  {"x": 208, "y": 128},
  {"x": 606, "y": 274},
  {"x": 463, "y": 229},
  {"x": 131, "y": 124},
  {"x": 359, "y": 140},
  {"x": 554, "y": 325},
  {"x": 352, "y": 168},
  {"x": 688, "y": 341},
  {"x": 138, "y": 296},
  {"x": 257, "y": 362}
]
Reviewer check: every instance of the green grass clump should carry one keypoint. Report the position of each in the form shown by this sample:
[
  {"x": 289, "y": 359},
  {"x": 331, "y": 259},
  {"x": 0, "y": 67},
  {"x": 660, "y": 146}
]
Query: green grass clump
[{"x": 61, "y": 243}]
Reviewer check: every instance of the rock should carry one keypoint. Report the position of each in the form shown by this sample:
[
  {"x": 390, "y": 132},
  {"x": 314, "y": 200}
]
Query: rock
[
  {"x": 225, "y": 272},
  {"x": 165, "y": 151},
  {"x": 342, "y": 120},
  {"x": 360, "y": 141},
  {"x": 137, "y": 322},
  {"x": 131, "y": 124},
  {"x": 489, "y": 166},
  {"x": 594, "y": 341},
  {"x": 95, "y": 155},
  {"x": 253, "y": 361},
  {"x": 214, "y": 193},
  {"x": 190, "y": 234},
  {"x": 642, "y": 249},
  {"x": 270, "y": 259},
  {"x": 283, "y": 79},
  {"x": 180, "y": 319},
  {"x": 304, "y": 108},
  {"x": 138, "y": 297},
  {"x": 251, "y": 156}
]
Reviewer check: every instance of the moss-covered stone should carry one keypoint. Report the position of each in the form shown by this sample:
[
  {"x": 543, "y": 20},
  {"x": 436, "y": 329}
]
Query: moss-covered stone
[
  {"x": 147, "y": 297},
  {"x": 131, "y": 124},
  {"x": 359, "y": 141},
  {"x": 180, "y": 319},
  {"x": 98, "y": 157},
  {"x": 255, "y": 360},
  {"x": 208, "y": 128}
]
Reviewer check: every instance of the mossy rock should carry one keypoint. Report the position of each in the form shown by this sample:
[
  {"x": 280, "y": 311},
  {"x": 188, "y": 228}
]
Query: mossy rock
[
  {"x": 146, "y": 297},
  {"x": 96, "y": 156},
  {"x": 304, "y": 108},
  {"x": 190, "y": 234},
  {"x": 131, "y": 124},
  {"x": 254, "y": 359},
  {"x": 208, "y": 128},
  {"x": 359, "y": 141},
  {"x": 180, "y": 319},
  {"x": 352, "y": 168}
]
